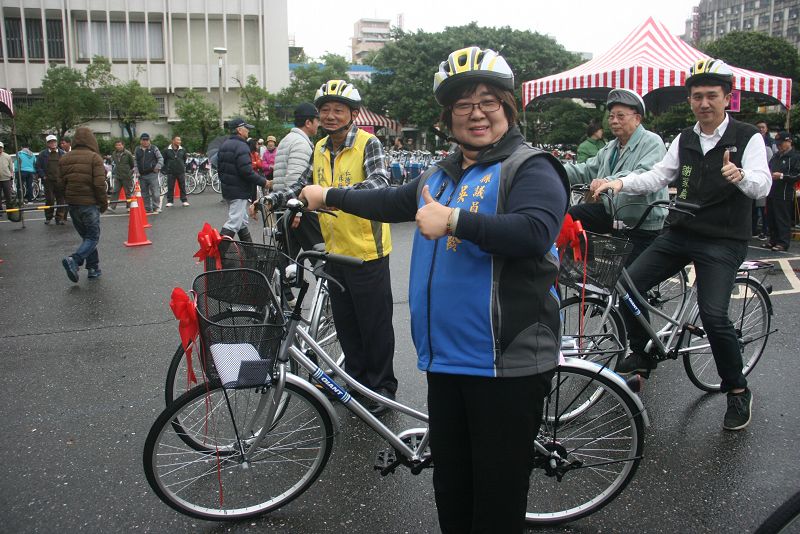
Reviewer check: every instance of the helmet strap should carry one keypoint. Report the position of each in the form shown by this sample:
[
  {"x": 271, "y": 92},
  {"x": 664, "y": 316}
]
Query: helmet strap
[{"x": 338, "y": 130}]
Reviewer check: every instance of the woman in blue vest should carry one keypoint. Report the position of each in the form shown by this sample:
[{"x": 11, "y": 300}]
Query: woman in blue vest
[{"x": 484, "y": 314}]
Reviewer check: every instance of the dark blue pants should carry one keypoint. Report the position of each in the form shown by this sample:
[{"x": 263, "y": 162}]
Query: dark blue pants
[
  {"x": 86, "y": 220},
  {"x": 28, "y": 177},
  {"x": 363, "y": 318},
  {"x": 716, "y": 262}
]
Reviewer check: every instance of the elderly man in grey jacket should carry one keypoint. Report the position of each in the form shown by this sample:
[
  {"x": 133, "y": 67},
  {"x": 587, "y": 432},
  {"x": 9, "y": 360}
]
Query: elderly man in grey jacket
[
  {"x": 633, "y": 149},
  {"x": 292, "y": 158}
]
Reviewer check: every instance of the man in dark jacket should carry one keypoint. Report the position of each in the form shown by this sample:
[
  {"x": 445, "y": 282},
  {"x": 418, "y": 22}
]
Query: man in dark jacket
[
  {"x": 175, "y": 169},
  {"x": 122, "y": 171},
  {"x": 47, "y": 169},
  {"x": 785, "y": 168},
  {"x": 148, "y": 162},
  {"x": 238, "y": 179},
  {"x": 82, "y": 177}
]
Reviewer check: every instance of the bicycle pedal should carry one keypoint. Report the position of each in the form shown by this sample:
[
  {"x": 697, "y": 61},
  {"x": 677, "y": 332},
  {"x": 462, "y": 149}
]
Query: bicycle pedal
[{"x": 385, "y": 461}]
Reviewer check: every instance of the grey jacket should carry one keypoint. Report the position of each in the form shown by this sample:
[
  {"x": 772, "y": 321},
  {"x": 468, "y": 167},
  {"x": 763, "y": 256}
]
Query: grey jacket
[
  {"x": 644, "y": 150},
  {"x": 291, "y": 159}
]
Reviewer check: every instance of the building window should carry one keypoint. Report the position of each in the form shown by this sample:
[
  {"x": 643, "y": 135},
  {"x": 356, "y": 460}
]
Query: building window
[
  {"x": 765, "y": 19},
  {"x": 26, "y": 101},
  {"x": 121, "y": 48},
  {"x": 14, "y": 38},
  {"x": 55, "y": 39},
  {"x": 162, "y": 105},
  {"x": 35, "y": 38},
  {"x": 778, "y": 17}
]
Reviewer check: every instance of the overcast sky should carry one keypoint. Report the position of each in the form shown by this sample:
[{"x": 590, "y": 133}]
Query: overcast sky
[{"x": 579, "y": 25}]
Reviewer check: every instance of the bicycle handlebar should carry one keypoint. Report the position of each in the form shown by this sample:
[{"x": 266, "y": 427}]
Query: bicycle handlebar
[
  {"x": 330, "y": 257},
  {"x": 679, "y": 206}
]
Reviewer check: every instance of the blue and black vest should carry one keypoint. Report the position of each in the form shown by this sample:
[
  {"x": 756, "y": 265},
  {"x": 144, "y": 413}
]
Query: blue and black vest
[{"x": 514, "y": 328}]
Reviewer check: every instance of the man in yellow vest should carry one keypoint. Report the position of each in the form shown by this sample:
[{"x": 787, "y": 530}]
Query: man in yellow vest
[{"x": 348, "y": 157}]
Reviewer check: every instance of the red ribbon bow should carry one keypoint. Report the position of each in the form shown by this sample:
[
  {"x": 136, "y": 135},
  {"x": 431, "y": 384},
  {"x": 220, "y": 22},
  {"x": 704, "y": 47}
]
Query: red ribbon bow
[
  {"x": 209, "y": 239},
  {"x": 569, "y": 235},
  {"x": 185, "y": 312}
]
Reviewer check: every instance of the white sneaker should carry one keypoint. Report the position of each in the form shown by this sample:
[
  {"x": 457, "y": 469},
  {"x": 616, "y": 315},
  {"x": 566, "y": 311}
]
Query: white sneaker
[
  {"x": 169, "y": 204},
  {"x": 186, "y": 203}
]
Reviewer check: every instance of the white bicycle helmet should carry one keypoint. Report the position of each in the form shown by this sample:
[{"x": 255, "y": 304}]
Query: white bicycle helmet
[
  {"x": 709, "y": 69},
  {"x": 470, "y": 65},
  {"x": 338, "y": 91}
]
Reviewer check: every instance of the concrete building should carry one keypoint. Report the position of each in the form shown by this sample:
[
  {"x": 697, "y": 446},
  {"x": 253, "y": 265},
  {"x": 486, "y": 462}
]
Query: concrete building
[
  {"x": 712, "y": 19},
  {"x": 167, "y": 45},
  {"x": 369, "y": 35}
]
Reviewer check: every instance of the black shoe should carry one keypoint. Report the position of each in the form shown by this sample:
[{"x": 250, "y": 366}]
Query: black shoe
[
  {"x": 376, "y": 408},
  {"x": 71, "y": 267},
  {"x": 738, "y": 414},
  {"x": 636, "y": 363}
]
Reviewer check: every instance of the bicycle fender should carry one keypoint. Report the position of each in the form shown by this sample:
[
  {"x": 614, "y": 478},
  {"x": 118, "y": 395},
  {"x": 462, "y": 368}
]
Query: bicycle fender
[
  {"x": 593, "y": 367},
  {"x": 315, "y": 392}
]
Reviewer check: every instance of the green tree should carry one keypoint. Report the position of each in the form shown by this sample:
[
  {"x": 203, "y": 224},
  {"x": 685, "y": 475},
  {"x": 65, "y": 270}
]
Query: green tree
[
  {"x": 401, "y": 87},
  {"x": 756, "y": 51},
  {"x": 199, "y": 121},
  {"x": 306, "y": 79},
  {"x": 561, "y": 121},
  {"x": 68, "y": 99},
  {"x": 30, "y": 123},
  {"x": 131, "y": 103}
]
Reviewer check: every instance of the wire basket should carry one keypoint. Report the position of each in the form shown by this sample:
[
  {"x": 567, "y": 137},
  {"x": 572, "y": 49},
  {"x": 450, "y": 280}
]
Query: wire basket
[
  {"x": 604, "y": 262},
  {"x": 241, "y": 327},
  {"x": 246, "y": 255}
]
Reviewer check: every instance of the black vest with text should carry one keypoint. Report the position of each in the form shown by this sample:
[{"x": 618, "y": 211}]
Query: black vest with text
[{"x": 725, "y": 212}]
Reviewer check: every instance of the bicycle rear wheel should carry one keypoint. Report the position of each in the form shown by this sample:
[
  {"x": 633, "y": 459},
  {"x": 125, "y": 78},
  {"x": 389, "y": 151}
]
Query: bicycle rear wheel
[
  {"x": 323, "y": 329},
  {"x": 599, "y": 447},
  {"x": 215, "y": 185},
  {"x": 750, "y": 311},
  {"x": 198, "y": 467},
  {"x": 669, "y": 297},
  {"x": 202, "y": 182}
]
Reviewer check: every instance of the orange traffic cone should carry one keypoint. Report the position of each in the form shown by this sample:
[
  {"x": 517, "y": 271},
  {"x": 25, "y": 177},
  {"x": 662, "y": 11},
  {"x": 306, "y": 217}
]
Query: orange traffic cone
[
  {"x": 177, "y": 193},
  {"x": 140, "y": 201},
  {"x": 122, "y": 193},
  {"x": 136, "y": 235}
]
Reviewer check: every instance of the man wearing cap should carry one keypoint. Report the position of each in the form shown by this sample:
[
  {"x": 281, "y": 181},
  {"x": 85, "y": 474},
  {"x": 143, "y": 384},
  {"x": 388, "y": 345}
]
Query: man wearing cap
[
  {"x": 292, "y": 159},
  {"x": 148, "y": 162},
  {"x": 720, "y": 165},
  {"x": 633, "y": 149},
  {"x": 238, "y": 178},
  {"x": 48, "y": 170},
  {"x": 785, "y": 168}
]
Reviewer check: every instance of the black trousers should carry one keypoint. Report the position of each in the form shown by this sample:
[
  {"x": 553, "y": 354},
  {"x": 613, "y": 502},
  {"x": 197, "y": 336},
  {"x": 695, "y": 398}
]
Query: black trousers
[
  {"x": 304, "y": 236},
  {"x": 181, "y": 179},
  {"x": 363, "y": 318},
  {"x": 716, "y": 262},
  {"x": 482, "y": 434},
  {"x": 779, "y": 215},
  {"x": 594, "y": 218}
]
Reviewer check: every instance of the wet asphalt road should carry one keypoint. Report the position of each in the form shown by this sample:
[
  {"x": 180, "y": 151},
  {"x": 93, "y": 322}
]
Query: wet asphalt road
[{"x": 82, "y": 374}]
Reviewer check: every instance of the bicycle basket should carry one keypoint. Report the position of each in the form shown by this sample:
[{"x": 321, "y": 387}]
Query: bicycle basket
[
  {"x": 241, "y": 326},
  {"x": 246, "y": 255},
  {"x": 604, "y": 262}
]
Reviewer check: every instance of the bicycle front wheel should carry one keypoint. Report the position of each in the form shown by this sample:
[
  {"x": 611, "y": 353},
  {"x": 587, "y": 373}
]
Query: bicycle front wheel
[
  {"x": 750, "y": 311},
  {"x": 215, "y": 185},
  {"x": 592, "y": 318},
  {"x": 598, "y": 448},
  {"x": 199, "y": 468}
]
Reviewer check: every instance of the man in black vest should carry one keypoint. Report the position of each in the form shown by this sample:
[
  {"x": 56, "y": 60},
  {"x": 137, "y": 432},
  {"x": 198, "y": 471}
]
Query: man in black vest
[{"x": 720, "y": 165}]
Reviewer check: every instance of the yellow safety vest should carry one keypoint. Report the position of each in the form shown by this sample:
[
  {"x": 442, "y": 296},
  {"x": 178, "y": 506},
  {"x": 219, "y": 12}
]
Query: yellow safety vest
[{"x": 347, "y": 234}]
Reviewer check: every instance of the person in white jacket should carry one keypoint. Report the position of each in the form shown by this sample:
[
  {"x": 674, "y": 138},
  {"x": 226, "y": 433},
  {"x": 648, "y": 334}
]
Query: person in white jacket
[{"x": 292, "y": 158}]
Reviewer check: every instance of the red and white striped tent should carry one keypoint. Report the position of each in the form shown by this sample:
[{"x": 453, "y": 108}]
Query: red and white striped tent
[
  {"x": 654, "y": 63},
  {"x": 6, "y": 102},
  {"x": 368, "y": 118}
]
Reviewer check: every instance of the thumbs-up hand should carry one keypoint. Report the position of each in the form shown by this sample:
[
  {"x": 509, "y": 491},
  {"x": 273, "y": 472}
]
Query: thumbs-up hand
[
  {"x": 432, "y": 217},
  {"x": 731, "y": 172}
]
